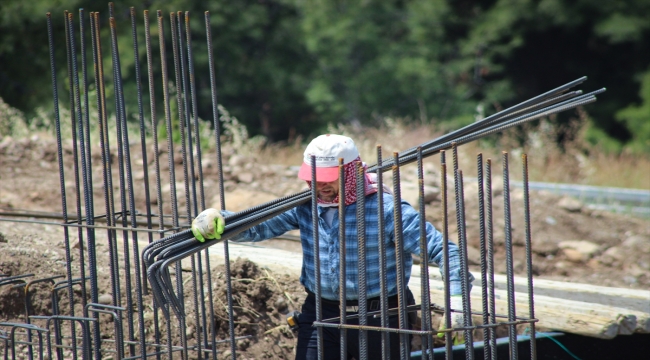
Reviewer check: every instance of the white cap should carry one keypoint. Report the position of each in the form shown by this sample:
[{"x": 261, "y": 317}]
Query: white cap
[{"x": 327, "y": 149}]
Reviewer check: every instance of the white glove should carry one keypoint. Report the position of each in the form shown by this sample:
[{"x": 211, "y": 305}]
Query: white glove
[
  {"x": 210, "y": 224},
  {"x": 457, "y": 320}
]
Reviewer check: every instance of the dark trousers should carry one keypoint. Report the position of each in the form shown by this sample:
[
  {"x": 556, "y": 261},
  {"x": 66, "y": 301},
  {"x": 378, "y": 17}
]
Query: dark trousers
[{"x": 307, "y": 348}]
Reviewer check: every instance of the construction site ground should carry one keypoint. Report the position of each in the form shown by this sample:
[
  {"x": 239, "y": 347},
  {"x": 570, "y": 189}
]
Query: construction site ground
[{"x": 571, "y": 242}]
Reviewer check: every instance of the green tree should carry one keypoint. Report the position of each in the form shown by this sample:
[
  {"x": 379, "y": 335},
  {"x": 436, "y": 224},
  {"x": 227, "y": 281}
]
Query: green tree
[{"x": 637, "y": 117}]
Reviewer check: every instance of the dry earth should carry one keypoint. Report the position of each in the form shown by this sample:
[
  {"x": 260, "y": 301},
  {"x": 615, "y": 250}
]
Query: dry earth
[{"x": 570, "y": 242}]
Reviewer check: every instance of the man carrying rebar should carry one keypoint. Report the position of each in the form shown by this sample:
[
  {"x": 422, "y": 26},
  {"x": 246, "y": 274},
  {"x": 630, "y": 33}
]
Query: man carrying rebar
[{"x": 326, "y": 150}]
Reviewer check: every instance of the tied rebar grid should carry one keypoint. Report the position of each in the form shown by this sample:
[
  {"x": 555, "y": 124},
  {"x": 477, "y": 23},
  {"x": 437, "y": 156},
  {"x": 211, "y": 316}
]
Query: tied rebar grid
[{"x": 133, "y": 271}]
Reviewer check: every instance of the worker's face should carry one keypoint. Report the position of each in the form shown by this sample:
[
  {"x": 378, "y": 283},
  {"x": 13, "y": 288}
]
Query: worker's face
[{"x": 327, "y": 191}]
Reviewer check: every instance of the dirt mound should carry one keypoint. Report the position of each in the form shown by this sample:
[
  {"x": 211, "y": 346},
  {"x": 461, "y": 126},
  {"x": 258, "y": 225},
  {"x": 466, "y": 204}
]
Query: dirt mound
[{"x": 261, "y": 298}]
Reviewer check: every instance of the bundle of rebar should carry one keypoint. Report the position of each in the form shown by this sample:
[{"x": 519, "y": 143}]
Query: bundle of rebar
[{"x": 164, "y": 252}]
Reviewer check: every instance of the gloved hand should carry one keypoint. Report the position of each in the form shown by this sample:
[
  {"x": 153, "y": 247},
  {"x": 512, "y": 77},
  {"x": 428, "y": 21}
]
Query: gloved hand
[
  {"x": 457, "y": 320},
  {"x": 208, "y": 225}
]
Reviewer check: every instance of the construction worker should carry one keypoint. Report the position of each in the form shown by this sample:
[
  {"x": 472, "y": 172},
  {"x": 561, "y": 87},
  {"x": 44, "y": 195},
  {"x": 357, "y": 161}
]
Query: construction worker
[{"x": 327, "y": 150}]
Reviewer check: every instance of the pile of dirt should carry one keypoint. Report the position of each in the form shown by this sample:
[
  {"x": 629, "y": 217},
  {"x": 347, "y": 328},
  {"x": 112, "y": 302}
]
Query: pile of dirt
[{"x": 261, "y": 298}]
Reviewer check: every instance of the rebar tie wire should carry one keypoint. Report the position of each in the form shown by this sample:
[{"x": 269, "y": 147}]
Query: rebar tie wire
[{"x": 158, "y": 255}]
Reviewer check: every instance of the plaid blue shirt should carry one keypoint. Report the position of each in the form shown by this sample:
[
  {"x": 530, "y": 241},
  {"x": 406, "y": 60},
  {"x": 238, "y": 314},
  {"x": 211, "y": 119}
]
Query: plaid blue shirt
[{"x": 301, "y": 218}]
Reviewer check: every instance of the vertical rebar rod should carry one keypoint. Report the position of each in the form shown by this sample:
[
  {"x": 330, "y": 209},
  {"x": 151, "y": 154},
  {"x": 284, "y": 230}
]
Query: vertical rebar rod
[
  {"x": 143, "y": 149},
  {"x": 512, "y": 333},
  {"x": 445, "y": 254},
  {"x": 175, "y": 31},
  {"x": 217, "y": 135},
  {"x": 156, "y": 158},
  {"x": 110, "y": 213},
  {"x": 57, "y": 119},
  {"x": 92, "y": 256},
  {"x": 425, "y": 301},
  {"x": 529, "y": 259},
  {"x": 399, "y": 247},
  {"x": 75, "y": 112},
  {"x": 126, "y": 182},
  {"x": 481, "y": 219},
  {"x": 88, "y": 178},
  {"x": 136, "y": 258},
  {"x": 490, "y": 257},
  {"x": 132, "y": 210},
  {"x": 106, "y": 168},
  {"x": 383, "y": 297},
  {"x": 188, "y": 171},
  {"x": 195, "y": 117},
  {"x": 316, "y": 239},
  {"x": 170, "y": 147},
  {"x": 342, "y": 263},
  {"x": 187, "y": 124},
  {"x": 462, "y": 247},
  {"x": 179, "y": 73},
  {"x": 188, "y": 166},
  {"x": 361, "y": 254}
]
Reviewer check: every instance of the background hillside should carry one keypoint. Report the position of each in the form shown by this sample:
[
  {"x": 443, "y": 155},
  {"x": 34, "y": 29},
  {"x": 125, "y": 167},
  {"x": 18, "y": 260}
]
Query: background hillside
[{"x": 288, "y": 68}]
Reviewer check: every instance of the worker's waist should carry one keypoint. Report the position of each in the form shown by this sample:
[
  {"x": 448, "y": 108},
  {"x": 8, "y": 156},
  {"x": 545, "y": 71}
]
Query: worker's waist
[{"x": 373, "y": 304}]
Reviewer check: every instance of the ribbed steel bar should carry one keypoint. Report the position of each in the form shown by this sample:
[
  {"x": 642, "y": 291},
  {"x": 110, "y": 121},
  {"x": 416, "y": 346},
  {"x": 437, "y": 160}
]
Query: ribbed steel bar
[
  {"x": 425, "y": 301},
  {"x": 482, "y": 249},
  {"x": 188, "y": 171},
  {"x": 125, "y": 178},
  {"x": 316, "y": 238},
  {"x": 462, "y": 247},
  {"x": 509, "y": 260},
  {"x": 215, "y": 114},
  {"x": 443, "y": 143},
  {"x": 72, "y": 104},
  {"x": 361, "y": 254},
  {"x": 201, "y": 191},
  {"x": 170, "y": 147},
  {"x": 195, "y": 116},
  {"x": 12, "y": 337},
  {"x": 529, "y": 258},
  {"x": 343, "y": 333},
  {"x": 184, "y": 121},
  {"x": 86, "y": 159},
  {"x": 101, "y": 115},
  {"x": 83, "y": 322},
  {"x": 175, "y": 31},
  {"x": 496, "y": 117},
  {"x": 107, "y": 172},
  {"x": 383, "y": 297},
  {"x": 156, "y": 159},
  {"x": 140, "y": 282},
  {"x": 29, "y": 308},
  {"x": 404, "y": 342},
  {"x": 490, "y": 257},
  {"x": 115, "y": 311},
  {"x": 445, "y": 254},
  {"x": 85, "y": 167},
  {"x": 55, "y": 287}
]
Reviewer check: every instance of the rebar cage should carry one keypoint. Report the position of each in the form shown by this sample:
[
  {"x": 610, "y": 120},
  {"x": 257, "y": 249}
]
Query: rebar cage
[{"x": 155, "y": 240}]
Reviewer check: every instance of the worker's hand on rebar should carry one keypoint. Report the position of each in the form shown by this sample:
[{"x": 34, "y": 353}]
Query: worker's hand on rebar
[
  {"x": 209, "y": 225},
  {"x": 457, "y": 320}
]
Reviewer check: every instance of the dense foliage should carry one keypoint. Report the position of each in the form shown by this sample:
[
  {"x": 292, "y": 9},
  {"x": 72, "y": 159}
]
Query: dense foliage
[{"x": 289, "y": 67}]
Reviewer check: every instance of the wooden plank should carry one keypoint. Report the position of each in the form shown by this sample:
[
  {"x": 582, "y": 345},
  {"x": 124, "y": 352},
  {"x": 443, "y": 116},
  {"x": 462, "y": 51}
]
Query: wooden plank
[
  {"x": 546, "y": 310},
  {"x": 591, "y": 319}
]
